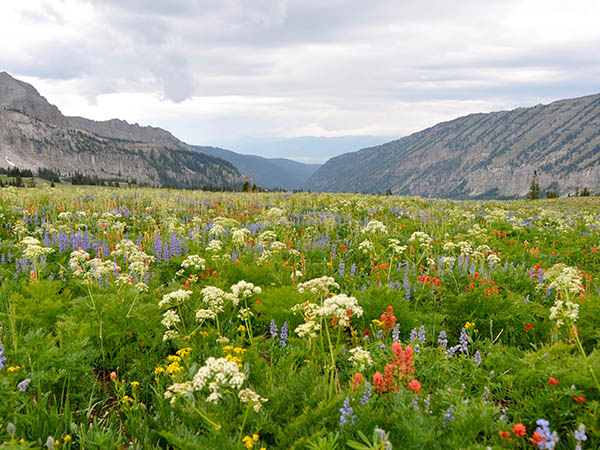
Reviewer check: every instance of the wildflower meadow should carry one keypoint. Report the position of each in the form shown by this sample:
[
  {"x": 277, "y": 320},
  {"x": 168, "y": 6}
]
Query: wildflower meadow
[{"x": 159, "y": 319}]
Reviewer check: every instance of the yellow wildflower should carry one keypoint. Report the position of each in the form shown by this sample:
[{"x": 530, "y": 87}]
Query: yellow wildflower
[
  {"x": 13, "y": 368},
  {"x": 174, "y": 367},
  {"x": 469, "y": 325},
  {"x": 67, "y": 438},
  {"x": 242, "y": 328},
  {"x": 183, "y": 352},
  {"x": 173, "y": 358},
  {"x": 159, "y": 369},
  {"x": 135, "y": 384},
  {"x": 248, "y": 442}
]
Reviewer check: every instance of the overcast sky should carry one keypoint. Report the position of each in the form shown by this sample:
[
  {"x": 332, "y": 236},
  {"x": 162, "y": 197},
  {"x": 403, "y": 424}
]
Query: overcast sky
[{"x": 233, "y": 71}]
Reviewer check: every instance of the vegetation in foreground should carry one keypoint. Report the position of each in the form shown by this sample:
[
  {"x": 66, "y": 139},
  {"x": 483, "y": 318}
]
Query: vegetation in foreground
[{"x": 167, "y": 319}]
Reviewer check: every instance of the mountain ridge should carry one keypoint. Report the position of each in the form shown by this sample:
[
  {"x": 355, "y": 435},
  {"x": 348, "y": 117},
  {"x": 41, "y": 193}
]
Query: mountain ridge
[
  {"x": 266, "y": 172},
  {"x": 34, "y": 134},
  {"x": 480, "y": 155}
]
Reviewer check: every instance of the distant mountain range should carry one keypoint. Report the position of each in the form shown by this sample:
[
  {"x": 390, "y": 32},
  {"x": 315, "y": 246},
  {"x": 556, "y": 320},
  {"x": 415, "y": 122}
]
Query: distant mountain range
[
  {"x": 266, "y": 172},
  {"x": 480, "y": 155},
  {"x": 35, "y": 134}
]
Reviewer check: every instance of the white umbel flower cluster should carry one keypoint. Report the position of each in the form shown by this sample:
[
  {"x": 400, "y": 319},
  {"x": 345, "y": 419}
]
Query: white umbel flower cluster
[
  {"x": 195, "y": 262},
  {"x": 420, "y": 238},
  {"x": 318, "y": 286},
  {"x": 139, "y": 261},
  {"x": 217, "y": 375},
  {"x": 341, "y": 307},
  {"x": 366, "y": 247},
  {"x": 33, "y": 248},
  {"x": 214, "y": 246},
  {"x": 244, "y": 290},
  {"x": 170, "y": 318},
  {"x": 567, "y": 282},
  {"x": 239, "y": 236},
  {"x": 174, "y": 298},
  {"x": 394, "y": 245},
  {"x": 360, "y": 358},
  {"x": 247, "y": 395},
  {"x": 373, "y": 227}
]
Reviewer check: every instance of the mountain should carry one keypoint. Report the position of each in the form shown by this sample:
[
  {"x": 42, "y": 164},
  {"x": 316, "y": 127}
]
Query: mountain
[
  {"x": 266, "y": 172},
  {"x": 489, "y": 155},
  {"x": 35, "y": 134}
]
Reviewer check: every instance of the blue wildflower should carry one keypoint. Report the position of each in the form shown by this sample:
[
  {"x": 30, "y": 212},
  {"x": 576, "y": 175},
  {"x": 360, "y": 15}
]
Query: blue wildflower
[
  {"x": 2, "y": 357},
  {"x": 421, "y": 334},
  {"x": 284, "y": 335},
  {"x": 449, "y": 416},
  {"x": 580, "y": 436},
  {"x": 346, "y": 412},
  {"x": 550, "y": 438},
  {"x": 396, "y": 333},
  {"x": 23, "y": 385},
  {"x": 463, "y": 341},
  {"x": 366, "y": 394},
  {"x": 273, "y": 329},
  {"x": 477, "y": 358},
  {"x": 443, "y": 339}
]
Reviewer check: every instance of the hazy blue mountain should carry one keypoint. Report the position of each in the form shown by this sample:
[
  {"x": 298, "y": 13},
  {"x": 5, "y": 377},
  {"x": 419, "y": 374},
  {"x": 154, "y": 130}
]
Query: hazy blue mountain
[
  {"x": 306, "y": 149},
  {"x": 480, "y": 155},
  {"x": 266, "y": 172}
]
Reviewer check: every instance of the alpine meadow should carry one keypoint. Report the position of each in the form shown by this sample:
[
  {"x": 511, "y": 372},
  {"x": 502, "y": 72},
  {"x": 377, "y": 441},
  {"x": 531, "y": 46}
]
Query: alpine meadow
[
  {"x": 299, "y": 225},
  {"x": 141, "y": 318}
]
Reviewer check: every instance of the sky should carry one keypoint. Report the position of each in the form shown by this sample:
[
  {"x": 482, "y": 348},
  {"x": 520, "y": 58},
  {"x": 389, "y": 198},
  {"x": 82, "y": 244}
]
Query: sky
[{"x": 234, "y": 73}]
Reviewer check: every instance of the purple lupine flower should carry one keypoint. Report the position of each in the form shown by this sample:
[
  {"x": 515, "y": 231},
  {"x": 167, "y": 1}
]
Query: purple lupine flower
[
  {"x": 273, "y": 329},
  {"x": 366, "y": 394},
  {"x": 580, "y": 436},
  {"x": 346, "y": 412},
  {"x": 477, "y": 358},
  {"x": 449, "y": 416},
  {"x": 341, "y": 268},
  {"x": 284, "y": 334},
  {"x": 550, "y": 438},
  {"x": 396, "y": 333},
  {"x": 379, "y": 334},
  {"x": 463, "y": 341},
  {"x": 353, "y": 270},
  {"x": 2, "y": 357},
  {"x": 22, "y": 386},
  {"x": 421, "y": 334},
  {"x": 443, "y": 339},
  {"x": 413, "y": 335}
]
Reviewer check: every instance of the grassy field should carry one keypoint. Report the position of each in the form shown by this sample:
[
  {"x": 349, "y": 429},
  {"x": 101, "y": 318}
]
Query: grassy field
[{"x": 140, "y": 319}]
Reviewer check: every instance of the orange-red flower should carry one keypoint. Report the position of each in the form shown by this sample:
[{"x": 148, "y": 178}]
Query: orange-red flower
[
  {"x": 504, "y": 435},
  {"x": 579, "y": 399},
  {"x": 415, "y": 386},
  {"x": 553, "y": 381},
  {"x": 519, "y": 430}
]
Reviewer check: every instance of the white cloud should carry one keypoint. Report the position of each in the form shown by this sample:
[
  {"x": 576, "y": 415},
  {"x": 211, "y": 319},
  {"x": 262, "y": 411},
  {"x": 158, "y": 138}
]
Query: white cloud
[{"x": 210, "y": 70}]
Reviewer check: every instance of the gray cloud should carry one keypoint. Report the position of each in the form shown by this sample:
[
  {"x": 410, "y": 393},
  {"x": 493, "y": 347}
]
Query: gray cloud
[{"x": 338, "y": 65}]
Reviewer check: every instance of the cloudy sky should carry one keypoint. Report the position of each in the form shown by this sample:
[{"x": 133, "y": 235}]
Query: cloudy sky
[{"x": 237, "y": 72}]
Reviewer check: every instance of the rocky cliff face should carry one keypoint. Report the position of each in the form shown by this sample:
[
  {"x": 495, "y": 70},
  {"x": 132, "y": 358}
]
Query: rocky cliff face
[
  {"x": 480, "y": 155},
  {"x": 34, "y": 134},
  {"x": 19, "y": 96}
]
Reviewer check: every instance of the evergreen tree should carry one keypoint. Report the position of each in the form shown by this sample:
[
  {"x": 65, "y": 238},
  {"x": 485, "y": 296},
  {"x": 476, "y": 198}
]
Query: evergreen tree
[
  {"x": 534, "y": 187},
  {"x": 585, "y": 192}
]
